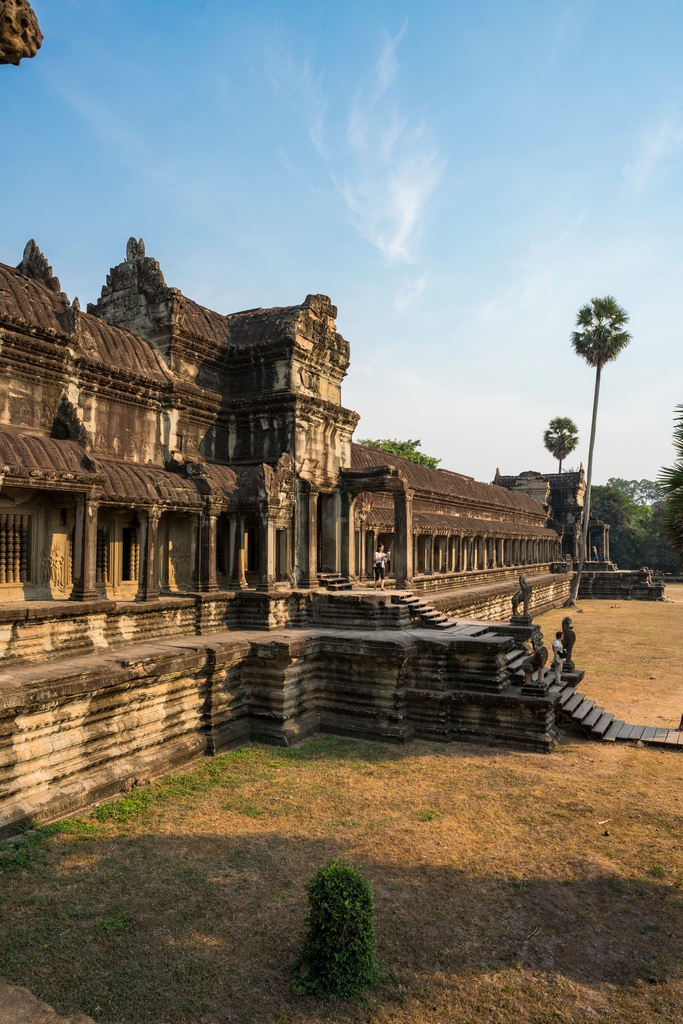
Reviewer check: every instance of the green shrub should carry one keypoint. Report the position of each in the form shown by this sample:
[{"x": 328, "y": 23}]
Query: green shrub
[{"x": 338, "y": 957}]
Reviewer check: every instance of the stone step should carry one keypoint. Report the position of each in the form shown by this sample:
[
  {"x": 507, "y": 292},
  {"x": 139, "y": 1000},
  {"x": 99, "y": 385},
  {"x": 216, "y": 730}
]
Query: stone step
[
  {"x": 592, "y": 718},
  {"x": 573, "y": 703},
  {"x": 613, "y": 730},
  {"x": 602, "y": 724},
  {"x": 582, "y": 709},
  {"x": 566, "y": 694}
]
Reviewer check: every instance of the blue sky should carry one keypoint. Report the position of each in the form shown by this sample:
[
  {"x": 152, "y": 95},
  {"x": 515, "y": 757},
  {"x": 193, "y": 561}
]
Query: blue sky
[{"x": 458, "y": 176}]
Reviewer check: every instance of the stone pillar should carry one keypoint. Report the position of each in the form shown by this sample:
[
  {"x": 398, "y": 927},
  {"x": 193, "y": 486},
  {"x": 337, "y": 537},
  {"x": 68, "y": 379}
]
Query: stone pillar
[
  {"x": 85, "y": 550},
  {"x": 266, "y": 575},
  {"x": 207, "y": 550},
  {"x": 402, "y": 555},
  {"x": 605, "y": 544},
  {"x": 361, "y": 568},
  {"x": 238, "y": 579},
  {"x": 348, "y": 536},
  {"x": 307, "y": 511},
  {"x": 148, "y": 584}
]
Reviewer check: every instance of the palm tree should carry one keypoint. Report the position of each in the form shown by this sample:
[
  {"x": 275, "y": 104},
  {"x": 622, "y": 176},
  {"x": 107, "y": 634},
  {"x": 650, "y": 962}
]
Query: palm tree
[
  {"x": 671, "y": 481},
  {"x": 600, "y": 340},
  {"x": 561, "y": 438}
]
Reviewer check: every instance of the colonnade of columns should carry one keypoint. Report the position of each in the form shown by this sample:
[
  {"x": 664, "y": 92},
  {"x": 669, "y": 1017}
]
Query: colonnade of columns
[{"x": 274, "y": 546}]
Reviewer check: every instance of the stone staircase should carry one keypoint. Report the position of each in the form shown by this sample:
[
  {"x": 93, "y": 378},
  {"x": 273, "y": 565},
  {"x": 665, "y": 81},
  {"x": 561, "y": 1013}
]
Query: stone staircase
[
  {"x": 599, "y": 724},
  {"x": 334, "y": 581},
  {"x": 424, "y": 612}
]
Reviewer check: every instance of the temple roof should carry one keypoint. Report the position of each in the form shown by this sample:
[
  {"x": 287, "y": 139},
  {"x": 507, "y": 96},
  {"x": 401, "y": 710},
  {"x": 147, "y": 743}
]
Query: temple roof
[
  {"x": 434, "y": 522},
  {"x": 33, "y": 300},
  {"x": 443, "y": 481},
  {"x": 113, "y": 347},
  {"x": 30, "y": 459},
  {"x": 30, "y": 452}
]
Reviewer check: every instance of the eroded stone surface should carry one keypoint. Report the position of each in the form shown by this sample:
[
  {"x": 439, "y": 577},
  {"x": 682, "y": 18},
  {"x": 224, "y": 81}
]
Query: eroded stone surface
[
  {"x": 20, "y": 34},
  {"x": 19, "y": 1006}
]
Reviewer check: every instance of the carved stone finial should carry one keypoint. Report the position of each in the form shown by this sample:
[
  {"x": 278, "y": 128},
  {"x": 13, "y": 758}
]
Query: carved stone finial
[
  {"x": 20, "y": 34},
  {"x": 135, "y": 250},
  {"x": 76, "y": 315},
  {"x": 34, "y": 264}
]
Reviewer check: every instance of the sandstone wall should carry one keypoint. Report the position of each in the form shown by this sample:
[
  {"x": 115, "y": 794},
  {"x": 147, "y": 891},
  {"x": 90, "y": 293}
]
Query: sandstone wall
[
  {"x": 493, "y": 603},
  {"x": 84, "y": 728}
]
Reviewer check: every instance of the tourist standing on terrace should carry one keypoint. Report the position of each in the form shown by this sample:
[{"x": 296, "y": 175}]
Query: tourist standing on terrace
[
  {"x": 558, "y": 656},
  {"x": 380, "y": 564}
]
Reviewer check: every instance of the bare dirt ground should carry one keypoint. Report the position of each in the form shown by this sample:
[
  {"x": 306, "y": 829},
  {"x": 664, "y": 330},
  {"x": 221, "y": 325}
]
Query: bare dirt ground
[
  {"x": 631, "y": 651},
  {"x": 509, "y": 887}
]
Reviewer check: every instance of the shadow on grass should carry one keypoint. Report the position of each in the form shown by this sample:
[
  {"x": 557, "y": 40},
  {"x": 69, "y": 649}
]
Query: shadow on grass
[{"x": 194, "y": 927}]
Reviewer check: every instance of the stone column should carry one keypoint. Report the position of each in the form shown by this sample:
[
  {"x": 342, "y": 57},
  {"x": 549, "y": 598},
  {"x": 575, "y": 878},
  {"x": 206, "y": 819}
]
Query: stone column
[
  {"x": 307, "y": 511},
  {"x": 361, "y": 570},
  {"x": 85, "y": 550},
  {"x": 208, "y": 582},
  {"x": 348, "y": 536},
  {"x": 238, "y": 575},
  {"x": 605, "y": 544},
  {"x": 265, "y": 553},
  {"x": 232, "y": 540},
  {"x": 148, "y": 585},
  {"x": 402, "y": 555}
]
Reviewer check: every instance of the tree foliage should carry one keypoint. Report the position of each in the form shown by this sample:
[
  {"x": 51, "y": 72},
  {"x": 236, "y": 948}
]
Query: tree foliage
[
  {"x": 642, "y": 492},
  {"x": 561, "y": 438},
  {"x": 602, "y": 336},
  {"x": 671, "y": 481},
  {"x": 406, "y": 449},
  {"x": 637, "y": 535},
  {"x": 338, "y": 958}
]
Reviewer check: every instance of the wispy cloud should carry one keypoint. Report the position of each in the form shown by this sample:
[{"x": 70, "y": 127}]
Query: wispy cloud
[
  {"x": 654, "y": 148},
  {"x": 383, "y": 163},
  {"x": 391, "y": 165}
]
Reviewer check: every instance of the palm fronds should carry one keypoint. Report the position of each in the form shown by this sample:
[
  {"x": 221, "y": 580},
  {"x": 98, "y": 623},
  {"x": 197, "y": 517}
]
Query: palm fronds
[
  {"x": 671, "y": 482},
  {"x": 602, "y": 337}
]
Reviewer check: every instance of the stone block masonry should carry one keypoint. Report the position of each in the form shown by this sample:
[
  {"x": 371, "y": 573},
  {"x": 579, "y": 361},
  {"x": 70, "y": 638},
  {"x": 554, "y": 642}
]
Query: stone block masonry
[{"x": 83, "y": 729}]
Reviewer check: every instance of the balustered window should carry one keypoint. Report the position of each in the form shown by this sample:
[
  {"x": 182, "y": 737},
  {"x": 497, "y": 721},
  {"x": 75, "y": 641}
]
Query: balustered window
[
  {"x": 130, "y": 561},
  {"x": 102, "y": 560},
  {"x": 15, "y": 562}
]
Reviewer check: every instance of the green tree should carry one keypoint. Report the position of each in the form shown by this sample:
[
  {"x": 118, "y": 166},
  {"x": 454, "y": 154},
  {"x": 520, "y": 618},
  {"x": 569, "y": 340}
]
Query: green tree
[
  {"x": 637, "y": 535},
  {"x": 599, "y": 341},
  {"x": 643, "y": 492},
  {"x": 561, "y": 438},
  {"x": 406, "y": 449},
  {"x": 671, "y": 481}
]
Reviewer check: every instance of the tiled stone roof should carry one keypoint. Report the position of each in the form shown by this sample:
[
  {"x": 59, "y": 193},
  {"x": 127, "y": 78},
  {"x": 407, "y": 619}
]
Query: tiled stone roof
[
  {"x": 439, "y": 481},
  {"x": 32, "y": 300},
  {"x": 466, "y": 526}
]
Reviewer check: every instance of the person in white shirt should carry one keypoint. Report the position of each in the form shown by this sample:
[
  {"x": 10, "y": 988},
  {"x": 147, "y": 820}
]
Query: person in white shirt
[
  {"x": 558, "y": 657},
  {"x": 379, "y": 564}
]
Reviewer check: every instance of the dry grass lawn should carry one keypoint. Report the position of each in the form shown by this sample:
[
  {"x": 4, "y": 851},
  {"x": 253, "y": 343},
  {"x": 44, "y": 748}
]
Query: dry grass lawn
[{"x": 508, "y": 886}]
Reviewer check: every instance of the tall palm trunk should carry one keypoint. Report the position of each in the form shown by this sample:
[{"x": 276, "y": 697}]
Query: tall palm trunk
[{"x": 571, "y": 600}]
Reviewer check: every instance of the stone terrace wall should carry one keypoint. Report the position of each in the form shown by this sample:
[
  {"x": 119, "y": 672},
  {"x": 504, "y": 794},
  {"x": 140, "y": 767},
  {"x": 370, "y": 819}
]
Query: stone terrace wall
[
  {"x": 493, "y": 603},
  {"x": 82, "y": 729}
]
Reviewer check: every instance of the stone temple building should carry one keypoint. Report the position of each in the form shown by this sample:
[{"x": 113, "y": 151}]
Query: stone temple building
[
  {"x": 563, "y": 495},
  {"x": 151, "y": 446},
  {"x": 186, "y": 536}
]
